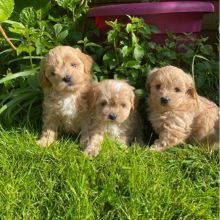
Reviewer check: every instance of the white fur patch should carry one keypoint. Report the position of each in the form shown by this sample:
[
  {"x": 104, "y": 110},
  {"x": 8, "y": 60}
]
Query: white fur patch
[
  {"x": 114, "y": 130},
  {"x": 118, "y": 86},
  {"x": 69, "y": 106}
]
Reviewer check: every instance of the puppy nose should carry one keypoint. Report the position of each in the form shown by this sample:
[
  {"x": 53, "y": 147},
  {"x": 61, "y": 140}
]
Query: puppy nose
[
  {"x": 164, "y": 100},
  {"x": 112, "y": 116},
  {"x": 67, "y": 79}
]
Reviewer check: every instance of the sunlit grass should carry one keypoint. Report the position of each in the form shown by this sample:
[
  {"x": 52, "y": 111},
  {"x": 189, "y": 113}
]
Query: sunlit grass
[{"x": 61, "y": 183}]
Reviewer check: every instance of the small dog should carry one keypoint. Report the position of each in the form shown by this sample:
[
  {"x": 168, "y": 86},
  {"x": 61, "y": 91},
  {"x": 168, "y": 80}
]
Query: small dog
[
  {"x": 177, "y": 113},
  {"x": 113, "y": 111},
  {"x": 65, "y": 79}
]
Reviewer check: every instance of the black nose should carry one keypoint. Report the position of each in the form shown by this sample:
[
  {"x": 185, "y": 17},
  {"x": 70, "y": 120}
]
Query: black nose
[
  {"x": 67, "y": 79},
  {"x": 164, "y": 100},
  {"x": 112, "y": 116}
]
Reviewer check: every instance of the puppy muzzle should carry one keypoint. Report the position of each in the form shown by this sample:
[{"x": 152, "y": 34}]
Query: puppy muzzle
[
  {"x": 67, "y": 79},
  {"x": 112, "y": 116},
  {"x": 164, "y": 100}
]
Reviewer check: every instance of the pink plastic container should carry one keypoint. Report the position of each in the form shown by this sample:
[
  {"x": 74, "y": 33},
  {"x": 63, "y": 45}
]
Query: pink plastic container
[{"x": 177, "y": 17}]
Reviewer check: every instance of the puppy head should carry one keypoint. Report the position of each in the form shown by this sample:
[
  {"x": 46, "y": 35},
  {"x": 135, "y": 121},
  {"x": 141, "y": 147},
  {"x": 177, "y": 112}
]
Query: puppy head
[
  {"x": 64, "y": 68},
  {"x": 169, "y": 88},
  {"x": 113, "y": 101}
]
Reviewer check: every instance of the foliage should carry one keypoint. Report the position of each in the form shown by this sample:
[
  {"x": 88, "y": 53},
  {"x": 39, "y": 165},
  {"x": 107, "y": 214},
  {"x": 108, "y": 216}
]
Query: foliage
[
  {"x": 6, "y": 9},
  {"x": 35, "y": 31},
  {"x": 130, "y": 53},
  {"x": 127, "y": 53}
]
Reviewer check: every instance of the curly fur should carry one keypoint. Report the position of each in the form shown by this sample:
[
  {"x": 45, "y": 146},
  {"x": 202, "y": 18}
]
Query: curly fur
[
  {"x": 186, "y": 117},
  {"x": 65, "y": 79},
  {"x": 111, "y": 97}
]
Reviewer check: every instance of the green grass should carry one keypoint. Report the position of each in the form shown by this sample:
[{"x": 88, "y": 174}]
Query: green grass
[{"x": 61, "y": 183}]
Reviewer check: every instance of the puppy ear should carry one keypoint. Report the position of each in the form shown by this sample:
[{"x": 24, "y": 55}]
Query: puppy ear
[
  {"x": 43, "y": 81},
  {"x": 133, "y": 99},
  {"x": 191, "y": 92},
  {"x": 134, "y": 103},
  {"x": 87, "y": 60},
  {"x": 150, "y": 78},
  {"x": 190, "y": 85}
]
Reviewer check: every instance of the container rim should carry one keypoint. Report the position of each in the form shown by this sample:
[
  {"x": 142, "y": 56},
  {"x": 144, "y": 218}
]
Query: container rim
[{"x": 151, "y": 8}]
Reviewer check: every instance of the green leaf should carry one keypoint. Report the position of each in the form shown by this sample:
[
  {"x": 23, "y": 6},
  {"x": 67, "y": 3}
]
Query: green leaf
[
  {"x": 6, "y": 9},
  {"x": 138, "y": 52},
  {"x": 16, "y": 75},
  {"x": 91, "y": 44},
  {"x": 129, "y": 28},
  {"x": 14, "y": 23},
  {"x": 140, "y": 93},
  {"x": 96, "y": 68},
  {"x": 147, "y": 29},
  {"x": 36, "y": 4},
  {"x": 133, "y": 64},
  {"x": 28, "y": 16},
  {"x": 24, "y": 48},
  {"x": 125, "y": 51},
  {"x": 154, "y": 29},
  {"x": 57, "y": 28},
  {"x": 111, "y": 36},
  {"x": 134, "y": 39},
  {"x": 17, "y": 28},
  {"x": 62, "y": 36}
]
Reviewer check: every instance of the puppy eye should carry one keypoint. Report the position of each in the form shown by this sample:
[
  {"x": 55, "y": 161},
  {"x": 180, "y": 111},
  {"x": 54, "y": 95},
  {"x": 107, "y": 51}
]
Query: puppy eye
[
  {"x": 73, "y": 65},
  {"x": 123, "y": 105},
  {"x": 103, "y": 103},
  {"x": 177, "y": 89},
  {"x": 157, "y": 86},
  {"x": 52, "y": 73}
]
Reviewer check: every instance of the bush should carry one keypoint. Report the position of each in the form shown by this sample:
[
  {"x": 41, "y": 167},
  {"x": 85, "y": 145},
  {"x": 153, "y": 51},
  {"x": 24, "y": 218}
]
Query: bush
[
  {"x": 127, "y": 53},
  {"x": 130, "y": 54}
]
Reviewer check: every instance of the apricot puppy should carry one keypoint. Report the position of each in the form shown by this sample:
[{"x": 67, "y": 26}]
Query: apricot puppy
[
  {"x": 177, "y": 113},
  {"x": 65, "y": 79},
  {"x": 113, "y": 111}
]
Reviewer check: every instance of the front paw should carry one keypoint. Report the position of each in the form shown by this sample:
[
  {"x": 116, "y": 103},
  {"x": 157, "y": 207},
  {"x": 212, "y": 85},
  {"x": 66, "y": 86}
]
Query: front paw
[
  {"x": 43, "y": 142},
  {"x": 156, "y": 147},
  {"x": 91, "y": 152}
]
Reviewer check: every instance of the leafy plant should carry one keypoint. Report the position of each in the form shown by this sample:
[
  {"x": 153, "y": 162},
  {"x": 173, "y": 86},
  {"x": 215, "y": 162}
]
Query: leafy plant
[
  {"x": 130, "y": 53},
  {"x": 6, "y": 9},
  {"x": 34, "y": 31},
  {"x": 127, "y": 53}
]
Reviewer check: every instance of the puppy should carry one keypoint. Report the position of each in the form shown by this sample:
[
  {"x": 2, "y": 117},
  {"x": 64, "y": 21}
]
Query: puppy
[
  {"x": 113, "y": 111},
  {"x": 177, "y": 113},
  {"x": 65, "y": 79}
]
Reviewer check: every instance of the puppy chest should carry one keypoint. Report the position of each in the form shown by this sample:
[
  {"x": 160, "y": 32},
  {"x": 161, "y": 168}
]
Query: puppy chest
[
  {"x": 114, "y": 130},
  {"x": 171, "y": 121},
  {"x": 68, "y": 107}
]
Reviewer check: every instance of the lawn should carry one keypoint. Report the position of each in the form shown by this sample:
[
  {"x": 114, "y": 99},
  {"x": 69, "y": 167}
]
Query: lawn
[{"x": 61, "y": 183}]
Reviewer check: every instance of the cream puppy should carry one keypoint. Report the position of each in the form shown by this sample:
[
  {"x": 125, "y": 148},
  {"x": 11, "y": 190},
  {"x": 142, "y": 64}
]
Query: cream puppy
[
  {"x": 177, "y": 113},
  {"x": 113, "y": 111},
  {"x": 65, "y": 79}
]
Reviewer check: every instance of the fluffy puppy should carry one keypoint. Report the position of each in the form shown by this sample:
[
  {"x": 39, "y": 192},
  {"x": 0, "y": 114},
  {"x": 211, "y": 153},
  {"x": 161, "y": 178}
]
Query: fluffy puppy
[
  {"x": 65, "y": 79},
  {"x": 177, "y": 113},
  {"x": 113, "y": 111}
]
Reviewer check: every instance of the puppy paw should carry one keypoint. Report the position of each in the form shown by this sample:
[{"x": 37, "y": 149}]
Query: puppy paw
[
  {"x": 91, "y": 152},
  {"x": 123, "y": 146},
  {"x": 156, "y": 147},
  {"x": 43, "y": 142}
]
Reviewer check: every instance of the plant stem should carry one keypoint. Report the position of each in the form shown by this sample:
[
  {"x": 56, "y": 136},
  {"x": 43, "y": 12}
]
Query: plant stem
[{"x": 6, "y": 38}]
